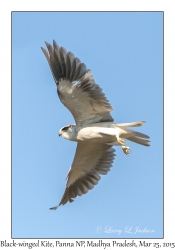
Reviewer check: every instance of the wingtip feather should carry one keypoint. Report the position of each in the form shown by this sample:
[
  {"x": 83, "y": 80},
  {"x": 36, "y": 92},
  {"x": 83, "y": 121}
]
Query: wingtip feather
[{"x": 54, "y": 208}]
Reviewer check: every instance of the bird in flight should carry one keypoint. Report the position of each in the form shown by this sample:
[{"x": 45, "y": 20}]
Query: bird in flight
[{"x": 95, "y": 130}]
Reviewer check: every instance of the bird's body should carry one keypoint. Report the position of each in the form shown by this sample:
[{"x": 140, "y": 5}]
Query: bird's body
[
  {"x": 99, "y": 132},
  {"x": 95, "y": 130},
  {"x": 103, "y": 132}
]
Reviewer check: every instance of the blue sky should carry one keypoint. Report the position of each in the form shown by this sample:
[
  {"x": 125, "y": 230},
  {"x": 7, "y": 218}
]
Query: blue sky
[{"x": 124, "y": 52}]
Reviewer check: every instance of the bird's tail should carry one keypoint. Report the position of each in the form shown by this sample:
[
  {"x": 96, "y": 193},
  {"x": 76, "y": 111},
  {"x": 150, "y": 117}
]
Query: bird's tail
[
  {"x": 134, "y": 136},
  {"x": 139, "y": 138},
  {"x": 131, "y": 124}
]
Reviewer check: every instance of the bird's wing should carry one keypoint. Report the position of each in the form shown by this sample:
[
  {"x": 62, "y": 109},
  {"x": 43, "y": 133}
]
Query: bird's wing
[
  {"x": 76, "y": 87},
  {"x": 91, "y": 160}
]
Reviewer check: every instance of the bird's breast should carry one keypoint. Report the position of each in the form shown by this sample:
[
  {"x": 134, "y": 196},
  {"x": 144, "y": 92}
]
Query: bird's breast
[{"x": 96, "y": 134}]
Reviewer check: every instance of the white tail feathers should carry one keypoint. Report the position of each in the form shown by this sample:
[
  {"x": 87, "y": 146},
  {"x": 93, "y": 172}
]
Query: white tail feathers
[
  {"x": 131, "y": 124},
  {"x": 139, "y": 138},
  {"x": 134, "y": 136}
]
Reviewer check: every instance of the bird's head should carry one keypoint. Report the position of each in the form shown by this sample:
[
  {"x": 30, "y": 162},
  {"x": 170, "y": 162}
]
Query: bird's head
[{"x": 67, "y": 132}]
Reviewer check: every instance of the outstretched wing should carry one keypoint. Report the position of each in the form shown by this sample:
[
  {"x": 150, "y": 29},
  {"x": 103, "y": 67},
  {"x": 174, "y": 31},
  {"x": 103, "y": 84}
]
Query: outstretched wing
[
  {"x": 91, "y": 160},
  {"x": 76, "y": 87}
]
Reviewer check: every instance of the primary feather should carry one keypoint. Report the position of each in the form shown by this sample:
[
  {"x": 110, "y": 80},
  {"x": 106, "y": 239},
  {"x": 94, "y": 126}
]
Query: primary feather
[{"x": 85, "y": 99}]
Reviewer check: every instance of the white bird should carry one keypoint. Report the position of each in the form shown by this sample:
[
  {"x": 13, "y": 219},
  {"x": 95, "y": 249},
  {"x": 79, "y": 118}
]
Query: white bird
[{"x": 95, "y": 130}]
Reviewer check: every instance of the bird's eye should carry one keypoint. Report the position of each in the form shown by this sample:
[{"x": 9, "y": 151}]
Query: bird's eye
[{"x": 65, "y": 128}]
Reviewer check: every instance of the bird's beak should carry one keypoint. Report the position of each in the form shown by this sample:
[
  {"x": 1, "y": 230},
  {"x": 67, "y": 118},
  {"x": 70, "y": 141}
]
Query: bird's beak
[{"x": 59, "y": 134}]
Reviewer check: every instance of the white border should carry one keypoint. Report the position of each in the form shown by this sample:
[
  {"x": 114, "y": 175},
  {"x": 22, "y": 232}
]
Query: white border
[{"x": 5, "y": 94}]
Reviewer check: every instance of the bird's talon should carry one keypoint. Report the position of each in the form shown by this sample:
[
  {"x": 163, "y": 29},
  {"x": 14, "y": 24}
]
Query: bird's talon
[{"x": 126, "y": 150}]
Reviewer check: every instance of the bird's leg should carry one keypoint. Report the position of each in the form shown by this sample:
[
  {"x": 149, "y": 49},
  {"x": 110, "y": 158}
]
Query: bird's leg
[
  {"x": 121, "y": 141},
  {"x": 125, "y": 148}
]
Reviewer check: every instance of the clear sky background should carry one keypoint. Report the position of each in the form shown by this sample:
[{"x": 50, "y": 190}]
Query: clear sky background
[{"x": 124, "y": 50}]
